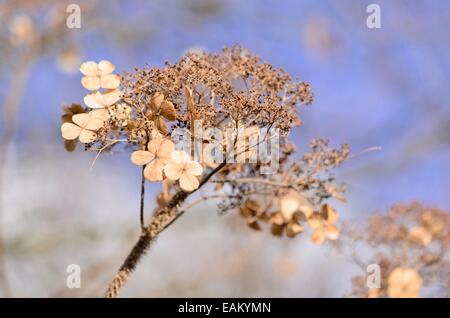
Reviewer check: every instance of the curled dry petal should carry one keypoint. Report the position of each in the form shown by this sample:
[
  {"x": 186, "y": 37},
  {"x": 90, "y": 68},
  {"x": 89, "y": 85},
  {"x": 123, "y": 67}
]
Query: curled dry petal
[
  {"x": 167, "y": 110},
  {"x": 155, "y": 101}
]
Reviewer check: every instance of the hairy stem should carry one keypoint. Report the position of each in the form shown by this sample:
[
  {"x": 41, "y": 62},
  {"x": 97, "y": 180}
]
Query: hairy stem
[{"x": 162, "y": 218}]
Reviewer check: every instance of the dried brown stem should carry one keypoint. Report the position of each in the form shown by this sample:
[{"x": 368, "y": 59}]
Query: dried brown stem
[
  {"x": 141, "y": 209},
  {"x": 162, "y": 218}
]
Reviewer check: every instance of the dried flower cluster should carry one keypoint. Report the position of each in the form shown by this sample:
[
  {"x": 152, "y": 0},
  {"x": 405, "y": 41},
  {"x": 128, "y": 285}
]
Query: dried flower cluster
[
  {"x": 295, "y": 196},
  {"x": 233, "y": 92},
  {"x": 410, "y": 243}
]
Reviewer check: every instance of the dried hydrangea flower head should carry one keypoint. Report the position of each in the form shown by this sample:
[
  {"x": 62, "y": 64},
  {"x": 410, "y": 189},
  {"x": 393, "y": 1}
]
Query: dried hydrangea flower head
[
  {"x": 410, "y": 244},
  {"x": 228, "y": 106}
]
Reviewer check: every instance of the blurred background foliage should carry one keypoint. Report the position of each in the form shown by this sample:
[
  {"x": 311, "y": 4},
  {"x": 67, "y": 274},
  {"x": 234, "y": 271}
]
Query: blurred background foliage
[{"x": 383, "y": 87}]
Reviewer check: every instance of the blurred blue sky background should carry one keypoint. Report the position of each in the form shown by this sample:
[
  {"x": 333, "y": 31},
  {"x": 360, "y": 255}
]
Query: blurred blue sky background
[{"x": 385, "y": 87}]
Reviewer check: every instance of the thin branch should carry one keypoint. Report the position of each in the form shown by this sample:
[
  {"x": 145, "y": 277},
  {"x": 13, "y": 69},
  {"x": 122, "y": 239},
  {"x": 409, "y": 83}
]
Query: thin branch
[
  {"x": 256, "y": 180},
  {"x": 141, "y": 210},
  {"x": 100, "y": 150},
  {"x": 162, "y": 218}
]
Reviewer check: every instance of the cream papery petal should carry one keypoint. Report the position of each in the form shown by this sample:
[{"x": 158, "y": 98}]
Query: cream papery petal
[
  {"x": 155, "y": 134},
  {"x": 94, "y": 100},
  {"x": 141, "y": 157},
  {"x": 87, "y": 136},
  {"x": 154, "y": 171},
  {"x": 111, "y": 81},
  {"x": 179, "y": 157},
  {"x": 70, "y": 131},
  {"x": 94, "y": 124},
  {"x": 166, "y": 148},
  {"x": 89, "y": 68},
  {"x": 111, "y": 96},
  {"x": 81, "y": 120},
  {"x": 154, "y": 145},
  {"x": 188, "y": 182},
  {"x": 105, "y": 67},
  {"x": 101, "y": 114},
  {"x": 91, "y": 83},
  {"x": 173, "y": 171},
  {"x": 194, "y": 168}
]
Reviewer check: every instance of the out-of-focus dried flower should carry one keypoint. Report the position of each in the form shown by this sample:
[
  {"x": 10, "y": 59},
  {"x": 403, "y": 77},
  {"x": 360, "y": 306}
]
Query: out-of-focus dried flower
[
  {"x": 68, "y": 61},
  {"x": 323, "y": 224},
  {"x": 404, "y": 283},
  {"x": 22, "y": 29},
  {"x": 253, "y": 213},
  {"x": 410, "y": 243},
  {"x": 420, "y": 235}
]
